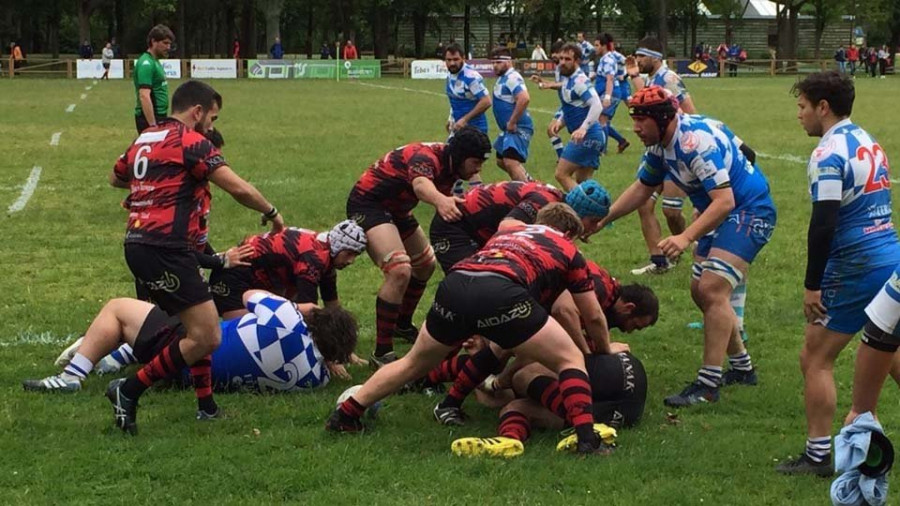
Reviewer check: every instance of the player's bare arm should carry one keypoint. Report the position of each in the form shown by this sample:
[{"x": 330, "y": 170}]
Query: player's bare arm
[
  {"x": 628, "y": 201},
  {"x": 566, "y": 313},
  {"x": 445, "y": 206},
  {"x": 247, "y": 195},
  {"x": 147, "y": 106},
  {"x": 594, "y": 320},
  {"x": 522, "y": 101},
  {"x": 721, "y": 206}
]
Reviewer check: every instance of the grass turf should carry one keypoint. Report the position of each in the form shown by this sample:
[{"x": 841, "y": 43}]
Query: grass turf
[{"x": 304, "y": 144}]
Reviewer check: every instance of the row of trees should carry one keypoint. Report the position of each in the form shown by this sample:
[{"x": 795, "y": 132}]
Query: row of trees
[{"x": 208, "y": 27}]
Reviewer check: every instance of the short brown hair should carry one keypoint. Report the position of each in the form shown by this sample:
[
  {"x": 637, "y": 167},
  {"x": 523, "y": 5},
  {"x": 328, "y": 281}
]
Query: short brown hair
[
  {"x": 561, "y": 217},
  {"x": 334, "y": 331},
  {"x": 575, "y": 49},
  {"x": 158, "y": 33}
]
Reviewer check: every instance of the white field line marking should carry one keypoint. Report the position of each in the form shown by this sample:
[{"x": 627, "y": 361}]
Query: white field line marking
[
  {"x": 70, "y": 108},
  {"x": 895, "y": 180},
  {"x": 88, "y": 88},
  {"x": 95, "y": 82},
  {"x": 27, "y": 190},
  {"x": 29, "y": 337},
  {"x": 83, "y": 96},
  {"x": 54, "y": 140},
  {"x": 786, "y": 158}
]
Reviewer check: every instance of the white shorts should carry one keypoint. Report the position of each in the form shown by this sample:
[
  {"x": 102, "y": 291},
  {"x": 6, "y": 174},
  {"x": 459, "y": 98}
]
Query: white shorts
[{"x": 884, "y": 310}]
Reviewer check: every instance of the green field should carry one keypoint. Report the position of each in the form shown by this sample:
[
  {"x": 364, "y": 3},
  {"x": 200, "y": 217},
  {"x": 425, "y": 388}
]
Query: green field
[{"x": 304, "y": 144}]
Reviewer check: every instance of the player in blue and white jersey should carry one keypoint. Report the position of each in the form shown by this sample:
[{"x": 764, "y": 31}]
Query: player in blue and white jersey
[
  {"x": 649, "y": 61},
  {"x": 732, "y": 195},
  {"x": 552, "y": 131},
  {"x": 277, "y": 346},
  {"x": 511, "y": 112},
  {"x": 581, "y": 108},
  {"x": 851, "y": 221},
  {"x": 609, "y": 85},
  {"x": 469, "y": 100},
  {"x": 586, "y": 60}
]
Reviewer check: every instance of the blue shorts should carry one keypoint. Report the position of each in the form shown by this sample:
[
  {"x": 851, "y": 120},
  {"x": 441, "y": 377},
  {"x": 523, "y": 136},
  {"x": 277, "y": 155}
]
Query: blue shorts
[
  {"x": 513, "y": 145},
  {"x": 743, "y": 233},
  {"x": 845, "y": 296},
  {"x": 610, "y": 111},
  {"x": 587, "y": 152}
]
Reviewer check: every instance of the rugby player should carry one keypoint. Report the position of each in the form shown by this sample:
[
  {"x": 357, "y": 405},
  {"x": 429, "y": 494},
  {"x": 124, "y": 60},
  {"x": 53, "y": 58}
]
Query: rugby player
[
  {"x": 277, "y": 346},
  {"x": 732, "y": 195},
  {"x": 486, "y": 207},
  {"x": 295, "y": 263},
  {"x": 469, "y": 100},
  {"x": 649, "y": 58},
  {"x": 618, "y": 393},
  {"x": 382, "y": 201},
  {"x": 611, "y": 85},
  {"x": 168, "y": 169},
  {"x": 586, "y": 58},
  {"x": 552, "y": 133},
  {"x": 851, "y": 220},
  {"x": 511, "y": 113},
  {"x": 581, "y": 108},
  {"x": 150, "y": 85},
  {"x": 500, "y": 293}
]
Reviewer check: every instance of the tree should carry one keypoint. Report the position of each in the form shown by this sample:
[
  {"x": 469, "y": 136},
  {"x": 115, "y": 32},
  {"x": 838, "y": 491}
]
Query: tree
[
  {"x": 825, "y": 12},
  {"x": 788, "y": 27},
  {"x": 272, "y": 13},
  {"x": 731, "y": 11}
]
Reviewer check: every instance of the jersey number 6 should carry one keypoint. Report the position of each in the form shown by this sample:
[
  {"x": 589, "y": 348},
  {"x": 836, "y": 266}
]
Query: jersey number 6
[
  {"x": 878, "y": 179},
  {"x": 141, "y": 162}
]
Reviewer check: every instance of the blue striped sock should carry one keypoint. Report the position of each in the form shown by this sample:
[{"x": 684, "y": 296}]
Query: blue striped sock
[
  {"x": 557, "y": 144},
  {"x": 710, "y": 375},
  {"x": 614, "y": 134},
  {"x": 738, "y": 300},
  {"x": 818, "y": 448},
  {"x": 79, "y": 366},
  {"x": 740, "y": 362},
  {"x": 124, "y": 355}
]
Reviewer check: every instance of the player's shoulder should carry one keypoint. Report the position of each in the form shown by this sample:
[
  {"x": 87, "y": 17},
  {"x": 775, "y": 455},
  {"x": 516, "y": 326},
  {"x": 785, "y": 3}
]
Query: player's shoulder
[
  {"x": 832, "y": 151},
  {"x": 695, "y": 135},
  {"x": 471, "y": 74}
]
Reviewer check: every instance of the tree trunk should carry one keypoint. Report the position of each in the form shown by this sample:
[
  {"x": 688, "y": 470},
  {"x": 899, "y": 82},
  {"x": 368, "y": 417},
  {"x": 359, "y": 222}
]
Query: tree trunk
[
  {"x": 820, "y": 28},
  {"x": 272, "y": 12},
  {"x": 310, "y": 27},
  {"x": 467, "y": 13},
  {"x": 85, "y": 9},
  {"x": 380, "y": 20},
  {"x": 663, "y": 27},
  {"x": 420, "y": 24},
  {"x": 557, "y": 21},
  {"x": 248, "y": 30},
  {"x": 598, "y": 16},
  {"x": 182, "y": 34},
  {"x": 229, "y": 31},
  {"x": 53, "y": 33},
  {"x": 119, "y": 13}
]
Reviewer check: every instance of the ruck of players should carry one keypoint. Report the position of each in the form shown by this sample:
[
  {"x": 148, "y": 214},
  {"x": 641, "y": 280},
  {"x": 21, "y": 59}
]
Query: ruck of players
[{"x": 519, "y": 317}]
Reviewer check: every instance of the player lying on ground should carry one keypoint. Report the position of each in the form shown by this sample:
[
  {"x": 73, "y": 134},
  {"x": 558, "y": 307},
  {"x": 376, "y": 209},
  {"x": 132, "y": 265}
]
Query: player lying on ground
[
  {"x": 382, "y": 201},
  {"x": 487, "y": 207},
  {"x": 732, "y": 194},
  {"x": 500, "y": 293},
  {"x": 618, "y": 392},
  {"x": 276, "y": 346},
  {"x": 628, "y": 308}
]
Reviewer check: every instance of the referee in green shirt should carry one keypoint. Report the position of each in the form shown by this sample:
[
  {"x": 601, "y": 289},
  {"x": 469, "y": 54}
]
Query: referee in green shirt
[{"x": 150, "y": 86}]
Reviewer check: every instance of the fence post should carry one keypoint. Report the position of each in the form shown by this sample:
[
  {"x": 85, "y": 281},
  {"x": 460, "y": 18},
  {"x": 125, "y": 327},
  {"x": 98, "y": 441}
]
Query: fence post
[
  {"x": 772, "y": 68},
  {"x": 69, "y": 68}
]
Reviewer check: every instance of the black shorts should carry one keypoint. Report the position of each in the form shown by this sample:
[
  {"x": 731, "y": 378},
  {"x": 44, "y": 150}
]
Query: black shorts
[
  {"x": 171, "y": 276},
  {"x": 452, "y": 242},
  {"x": 486, "y": 304},
  {"x": 141, "y": 124},
  {"x": 158, "y": 330},
  {"x": 106, "y": 66},
  {"x": 228, "y": 286},
  {"x": 512, "y": 154},
  {"x": 618, "y": 388},
  {"x": 369, "y": 214}
]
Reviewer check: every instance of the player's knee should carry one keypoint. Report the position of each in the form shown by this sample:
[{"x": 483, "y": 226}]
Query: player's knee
[
  {"x": 717, "y": 281},
  {"x": 422, "y": 264},
  {"x": 502, "y": 164},
  {"x": 672, "y": 207},
  {"x": 517, "y": 405},
  {"x": 523, "y": 377},
  {"x": 396, "y": 267}
]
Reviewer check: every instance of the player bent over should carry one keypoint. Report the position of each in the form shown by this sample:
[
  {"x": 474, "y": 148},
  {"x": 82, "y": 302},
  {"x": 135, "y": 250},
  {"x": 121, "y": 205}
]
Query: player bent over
[
  {"x": 733, "y": 197},
  {"x": 277, "y": 345},
  {"x": 500, "y": 293},
  {"x": 382, "y": 201},
  {"x": 168, "y": 169},
  {"x": 487, "y": 207},
  {"x": 295, "y": 263},
  {"x": 851, "y": 221},
  {"x": 618, "y": 393}
]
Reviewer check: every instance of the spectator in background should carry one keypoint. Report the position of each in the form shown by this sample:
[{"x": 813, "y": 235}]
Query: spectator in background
[
  {"x": 883, "y": 58},
  {"x": 116, "y": 49},
  {"x": 698, "y": 51},
  {"x": 439, "y": 52},
  {"x": 521, "y": 48},
  {"x": 853, "y": 58},
  {"x": 350, "y": 51},
  {"x": 722, "y": 51},
  {"x": 86, "y": 50},
  {"x": 236, "y": 49},
  {"x": 538, "y": 53},
  {"x": 872, "y": 61},
  {"x": 107, "y": 55},
  {"x": 840, "y": 56},
  {"x": 734, "y": 56},
  {"x": 277, "y": 51},
  {"x": 16, "y": 51},
  {"x": 325, "y": 52}
]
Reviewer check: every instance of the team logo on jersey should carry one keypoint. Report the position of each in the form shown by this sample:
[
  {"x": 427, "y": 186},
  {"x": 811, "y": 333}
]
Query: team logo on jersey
[
  {"x": 167, "y": 283},
  {"x": 220, "y": 289},
  {"x": 822, "y": 152},
  {"x": 671, "y": 78},
  {"x": 689, "y": 142},
  {"x": 359, "y": 218},
  {"x": 519, "y": 310},
  {"x": 442, "y": 246},
  {"x": 444, "y": 312}
]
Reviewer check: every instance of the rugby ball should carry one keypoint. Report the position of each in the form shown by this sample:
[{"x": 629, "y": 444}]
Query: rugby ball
[{"x": 372, "y": 412}]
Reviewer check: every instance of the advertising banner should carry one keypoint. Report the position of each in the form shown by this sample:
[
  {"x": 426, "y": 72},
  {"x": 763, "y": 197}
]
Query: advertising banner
[
  {"x": 214, "y": 69},
  {"x": 697, "y": 68},
  {"x": 428, "y": 69},
  {"x": 270, "y": 69},
  {"x": 314, "y": 69},
  {"x": 360, "y": 69},
  {"x": 543, "y": 68},
  {"x": 93, "y": 69},
  {"x": 484, "y": 67},
  {"x": 172, "y": 68}
]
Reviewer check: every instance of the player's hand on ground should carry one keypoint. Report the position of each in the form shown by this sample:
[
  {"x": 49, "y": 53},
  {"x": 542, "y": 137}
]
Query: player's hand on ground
[
  {"x": 617, "y": 347},
  {"x": 673, "y": 246},
  {"x": 356, "y": 360},
  {"x": 812, "y": 305},
  {"x": 448, "y": 210},
  {"x": 511, "y": 127},
  {"x": 238, "y": 256},
  {"x": 338, "y": 370},
  {"x": 578, "y": 135}
]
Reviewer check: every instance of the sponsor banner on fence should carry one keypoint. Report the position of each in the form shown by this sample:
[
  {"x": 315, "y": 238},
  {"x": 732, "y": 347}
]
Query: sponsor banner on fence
[
  {"x": 484, "y": 67},
  {"x": 697, "y": 68},
  {"x": 360, "y": 69},
  {"x": 172, "y": 68},
  {"x": 93, "y": 69},
  {"x": 214, "y": 69},
  {"x": 537, "y": 67},
  {"x": 428, "y": 69},
  {"x": 313, "y": 69}
]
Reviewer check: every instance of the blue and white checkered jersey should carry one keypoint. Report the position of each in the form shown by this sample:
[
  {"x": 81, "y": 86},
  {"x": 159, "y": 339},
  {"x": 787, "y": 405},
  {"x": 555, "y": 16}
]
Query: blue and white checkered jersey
[
  {"x": 587, "y": 56},
  {"x": 506, "y": 89},
  {"x": 606, "y": 66},
  {"x": 671, "y": 81},
  {"x": 851, "y": 167},
  {"x": 574, "y": 95},
  {"x": 465, "y": 89},
  {"x": 702, "y": 157},
  {"x": 268, "y": 349},
  {"x": 623, "y": 88}
]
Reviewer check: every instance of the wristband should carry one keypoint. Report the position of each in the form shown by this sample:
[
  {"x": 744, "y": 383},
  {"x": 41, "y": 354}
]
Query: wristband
[
  {"x": 222, "y": 258},
  {"x": 271, "y": 214},
  {"x": 607, "y": 97}
]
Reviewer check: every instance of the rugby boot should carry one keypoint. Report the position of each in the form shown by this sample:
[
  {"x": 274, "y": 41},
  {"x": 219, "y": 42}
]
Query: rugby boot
[
  {"x": 66, "y": 356},
  {"x": 736, "y": 377},
  {"x": 451, "y": 415},
  {"x": 58, "y": 383},
  {"x": 378, "y": 361},
  {"x": 695, "y": 393},
  {"x": 124, "y": 409},
  {"x": 805, "y": 465},
  {"x": 408, "y": 334},
  {"x": 339, "y": 422},
  {"x": 499, "y": 446},
  {"x": 604, "y": 443}
]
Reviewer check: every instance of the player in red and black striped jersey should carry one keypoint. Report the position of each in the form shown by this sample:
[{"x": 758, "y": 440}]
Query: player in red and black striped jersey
[
  {"x": 296, "y": 264},
  {"x": 168, "y": 169},
  {"x": 487, "y": 206},
  {"x": 382, "y": 201},
  {"x": 500, "y": 294}
]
